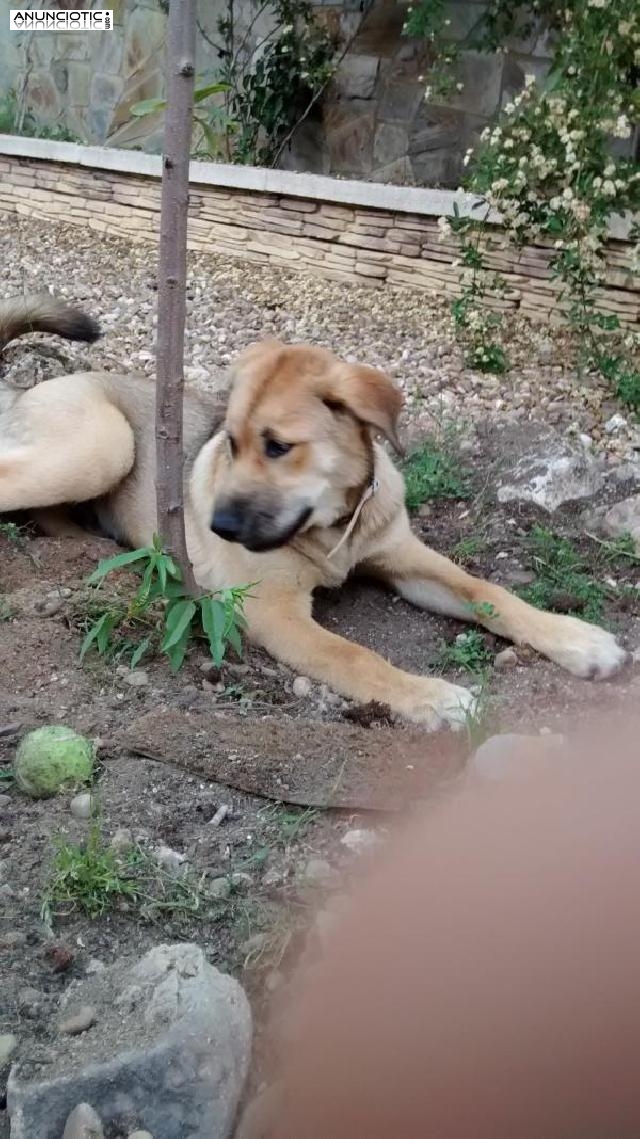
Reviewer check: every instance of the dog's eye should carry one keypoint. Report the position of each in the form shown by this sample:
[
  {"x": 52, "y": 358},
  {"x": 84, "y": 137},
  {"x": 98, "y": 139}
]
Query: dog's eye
[{"x": 273, "y": 448}]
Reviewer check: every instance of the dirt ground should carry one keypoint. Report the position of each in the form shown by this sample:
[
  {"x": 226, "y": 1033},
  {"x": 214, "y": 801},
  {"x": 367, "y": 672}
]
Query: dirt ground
[{"x": 240, "y": 737}]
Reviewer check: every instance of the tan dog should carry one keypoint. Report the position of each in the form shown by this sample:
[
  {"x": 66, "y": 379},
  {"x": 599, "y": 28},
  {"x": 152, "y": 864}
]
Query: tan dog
[{"x": 288, "y": 490}]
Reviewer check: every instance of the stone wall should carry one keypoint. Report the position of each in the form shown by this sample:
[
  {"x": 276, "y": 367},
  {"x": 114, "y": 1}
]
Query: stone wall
[
  {"x": 379, "y": 247},
  {"x": 373, "y": 123}
]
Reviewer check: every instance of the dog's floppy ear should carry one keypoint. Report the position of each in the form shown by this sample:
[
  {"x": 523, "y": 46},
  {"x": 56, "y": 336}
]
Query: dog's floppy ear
[{"x": 370, "y": 396}]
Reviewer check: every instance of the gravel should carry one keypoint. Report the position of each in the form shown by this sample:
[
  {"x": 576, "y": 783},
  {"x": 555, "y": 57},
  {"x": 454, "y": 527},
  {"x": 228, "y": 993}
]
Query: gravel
[{"x": 231, "y": 304}]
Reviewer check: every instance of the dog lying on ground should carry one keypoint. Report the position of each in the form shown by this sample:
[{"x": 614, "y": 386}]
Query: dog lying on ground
[{"x": 285, "y": 486}]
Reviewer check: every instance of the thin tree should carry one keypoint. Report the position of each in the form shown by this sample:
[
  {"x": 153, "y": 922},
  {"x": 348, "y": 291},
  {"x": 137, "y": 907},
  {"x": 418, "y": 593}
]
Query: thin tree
[{"x": 172, "y": 275}]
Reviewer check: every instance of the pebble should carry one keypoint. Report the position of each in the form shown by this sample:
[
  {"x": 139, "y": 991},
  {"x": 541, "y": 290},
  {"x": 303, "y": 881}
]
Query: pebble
[
  {"x": 220, "y": 888},
  {"x": 545, "y": 351},
  {"x": 94, "y": 965},
  {"x": 301, "y": 687},
  {"x": 83, "y": 1123},
  {"x": 122, "y": 840},
  {"x": 8, "y": 1045},
  {"x": 78, "y": 1022},
  {"x": 170, "y": 860},
  {"x": 30, "y": 1001},
  {"x": 507, "y": 658},
  {"x": 360, "y": 839},
  {"x": 5, "y": 801},
  {"x": 318, "y": 872},
  {"x": 13, "y": 938},
  {"x": 82, "y": 806},
  {"x": 142, "y": 1134},
  {"x": 136, "y": 678}
]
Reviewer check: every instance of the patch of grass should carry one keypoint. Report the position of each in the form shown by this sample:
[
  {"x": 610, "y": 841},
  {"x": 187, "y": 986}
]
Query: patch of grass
[
  {"x": 12, "y": 533},
  {"x": 161, "y": 616},
  {"x": 569, "y": 582},
  {"x": 89, "y": 877},
  {"x": 480, "y": 722},
  {"x": 469, "y": 651},
  {"x": 434, "y": 471}
]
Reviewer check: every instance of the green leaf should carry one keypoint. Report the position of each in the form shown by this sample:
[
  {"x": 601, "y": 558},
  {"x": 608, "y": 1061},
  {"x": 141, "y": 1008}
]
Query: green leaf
[
  {"x": 148, "y": 107},
  {"x": 234, "y": 638},
  {"x": 100, "y": 634},
  {"x": 214, "y": 619},
  {"x": 204, "y": 92},
  {"x": 177, "y": 652},
  {"x": 140, "y": 651},
  {"x": 178, "y": 620},
  {"x": 119, "y": 562}
]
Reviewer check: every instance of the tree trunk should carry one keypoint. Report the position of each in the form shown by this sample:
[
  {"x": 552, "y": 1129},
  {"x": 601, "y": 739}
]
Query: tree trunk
[{"x": 172, "y": 273}]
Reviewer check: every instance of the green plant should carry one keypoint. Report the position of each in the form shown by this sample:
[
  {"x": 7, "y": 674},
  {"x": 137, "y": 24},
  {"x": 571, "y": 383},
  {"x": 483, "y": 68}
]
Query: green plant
[
  {"x": 549, "y": 169},
  {"x": 89, "y": 877},
  {"x": 567, "y": 580},
  {"x": 249, "y": 110},
  {"x": 14, "y": 121},
  {"x": 160, "y": 615},
  {"x": 12, "y": 533},
  {"x": 468, "y": 651},
  {"x": 433, "y": 470}
]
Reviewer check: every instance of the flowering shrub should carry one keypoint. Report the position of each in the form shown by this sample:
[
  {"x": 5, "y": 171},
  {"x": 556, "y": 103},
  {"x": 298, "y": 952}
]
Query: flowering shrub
[{"x": 551, "y": 168}]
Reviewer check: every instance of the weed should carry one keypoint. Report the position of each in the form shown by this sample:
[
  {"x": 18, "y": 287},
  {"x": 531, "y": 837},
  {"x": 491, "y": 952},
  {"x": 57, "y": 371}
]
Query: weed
[
  {"x": 161, "y": 615},
  {"x": 434, "y": 471},
  {"x": 564, "y": 580},
  {"x": 12, "y": 532},
  {"x": 88, "y": 878},
  {"x": 479, "y": 720},
  {"x": 468, "y": 651}
]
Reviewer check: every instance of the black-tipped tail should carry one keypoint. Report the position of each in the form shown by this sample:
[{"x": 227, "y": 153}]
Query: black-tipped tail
[{"x": 20, "y": 315}]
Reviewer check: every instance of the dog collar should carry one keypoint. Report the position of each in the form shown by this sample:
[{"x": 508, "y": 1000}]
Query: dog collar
[{"x": 367, "y": 493}]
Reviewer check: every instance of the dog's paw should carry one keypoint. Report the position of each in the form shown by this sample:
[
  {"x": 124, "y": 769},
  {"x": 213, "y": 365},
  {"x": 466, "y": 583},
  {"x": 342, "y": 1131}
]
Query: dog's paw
[
  {"x": 585, "y": 650},
  {"x": 437, "y": 704}
]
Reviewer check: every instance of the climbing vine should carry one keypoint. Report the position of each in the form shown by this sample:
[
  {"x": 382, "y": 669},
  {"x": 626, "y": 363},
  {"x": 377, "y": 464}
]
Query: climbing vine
[{"x": 556, "y": 166}]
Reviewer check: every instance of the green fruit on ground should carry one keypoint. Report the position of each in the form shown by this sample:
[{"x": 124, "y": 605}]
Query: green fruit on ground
[{"x": 52, "y": 759}]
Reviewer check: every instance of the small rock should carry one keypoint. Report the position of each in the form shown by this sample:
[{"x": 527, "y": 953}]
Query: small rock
[
  {"x": 623, "y": 518},
  {"x": 136, "y": 678},
  {"x": 47, "y": 606},
  {"x": 615, "y": 424},
  {"x": 301, "y": 687},
  {"x": 360, "y": 840},
  {"x": 509, "y": 755},
  {"x": 5, "y": 801},
  {"x": 220, "y": 888},
  {"x": 13, "y": 938},
  {"x": 170, "y": 860},
  {"x": 318, "y": 872},
  {"x": 8, "y": 1045},
  {"x": 83, "y": 1123},
  {"x": 241, "y": 880},
  {"x": 551, "y": 474},
  {"x": 188, "y": 696},
  {"x": 79, "y": 1022},
  {"x": 122, "y": 840},
  {"x": 82, "y": 806},
  {"x": 60, "y": 957},
  {"x": 141, "y": 1135},
  {"x": 507, "y": 658}
]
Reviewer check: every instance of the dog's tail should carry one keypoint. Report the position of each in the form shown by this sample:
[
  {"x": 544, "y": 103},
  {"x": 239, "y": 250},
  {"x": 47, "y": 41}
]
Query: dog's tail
[{"x": 44, "y": 313}]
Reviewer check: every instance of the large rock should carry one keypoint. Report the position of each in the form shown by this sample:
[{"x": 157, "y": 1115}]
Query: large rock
[
  {"x": 558, "y": 472},
  {"x": 623, "y": 518},
  {"x": 169, "y": 1052}
]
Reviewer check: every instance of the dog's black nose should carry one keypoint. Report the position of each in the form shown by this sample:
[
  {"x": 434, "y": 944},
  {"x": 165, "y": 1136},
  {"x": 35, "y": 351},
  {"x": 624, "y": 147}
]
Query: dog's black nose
[{"x": 227, "y": 524}]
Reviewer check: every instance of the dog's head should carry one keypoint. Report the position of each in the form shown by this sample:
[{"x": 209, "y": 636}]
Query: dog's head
[{"x": 299, "y": 431}]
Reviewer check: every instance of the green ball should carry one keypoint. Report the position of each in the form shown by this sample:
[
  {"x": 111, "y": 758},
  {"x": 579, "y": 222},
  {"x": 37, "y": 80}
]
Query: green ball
[{"x": 51, "y": 759}]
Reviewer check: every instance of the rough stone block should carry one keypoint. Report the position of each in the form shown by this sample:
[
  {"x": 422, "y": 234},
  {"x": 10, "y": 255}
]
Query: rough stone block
[
  {"x": 356, "y": 77},
  {"x": 170, "y": 1050},
  {"x": 79, "y": 84}
]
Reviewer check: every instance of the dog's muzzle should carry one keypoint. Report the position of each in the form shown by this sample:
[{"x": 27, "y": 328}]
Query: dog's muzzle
[{"x": 254, "y": 527}]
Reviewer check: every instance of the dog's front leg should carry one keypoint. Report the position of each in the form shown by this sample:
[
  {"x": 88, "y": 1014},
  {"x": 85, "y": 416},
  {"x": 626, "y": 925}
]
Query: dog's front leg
[
  {"x": 283, "y": 625},
  {"x": 431, "y": 581}
]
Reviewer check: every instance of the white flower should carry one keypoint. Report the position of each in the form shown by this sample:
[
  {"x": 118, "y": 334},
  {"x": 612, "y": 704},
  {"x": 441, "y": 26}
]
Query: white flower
[
  {"x": 529, "y": 80},
  {"x": 427, "y": 93},
  {"x": 622, "y": 128},
  {"x": 567, "y": 194},
  {"x": 596, "y": 3},
  {"x": 608, "y": 188},
  {"x": 444, "y": 229}
]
